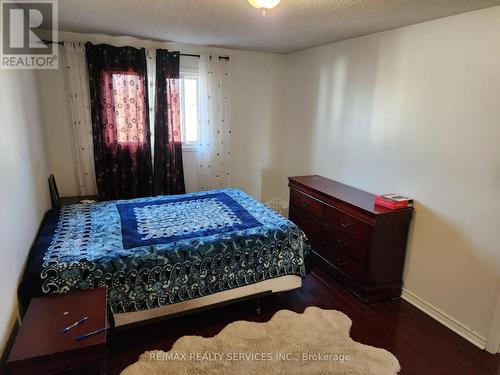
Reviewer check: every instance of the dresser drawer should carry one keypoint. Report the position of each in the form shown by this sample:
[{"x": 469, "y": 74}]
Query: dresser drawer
[
  {"x": 336, "y": 239},
  {"x": 306, "y": 203},
  {"x": 342, "y": 262},
  {"x": 348, "y": 224},
  {"x": 308, "y": 223}
]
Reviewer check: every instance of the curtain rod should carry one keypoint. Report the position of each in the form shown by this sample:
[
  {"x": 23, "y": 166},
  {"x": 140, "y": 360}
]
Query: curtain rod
[{"x": 227, "y": 58}]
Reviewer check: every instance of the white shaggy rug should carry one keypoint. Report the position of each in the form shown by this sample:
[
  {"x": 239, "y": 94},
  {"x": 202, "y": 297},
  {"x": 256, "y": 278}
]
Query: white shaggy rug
[{"x": 315, "y": 342}]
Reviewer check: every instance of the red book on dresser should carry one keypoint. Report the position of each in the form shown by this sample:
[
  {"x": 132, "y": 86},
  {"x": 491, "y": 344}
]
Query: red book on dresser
[{"x": 393, "y": 201}]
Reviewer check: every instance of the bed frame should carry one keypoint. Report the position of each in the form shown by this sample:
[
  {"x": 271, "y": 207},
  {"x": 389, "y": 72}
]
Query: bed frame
[{"x": 258, "y": 290}]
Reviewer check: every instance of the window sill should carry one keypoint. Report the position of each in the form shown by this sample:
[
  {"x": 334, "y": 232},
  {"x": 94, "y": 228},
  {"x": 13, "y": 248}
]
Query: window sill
[{"x": 189, "y": 148}]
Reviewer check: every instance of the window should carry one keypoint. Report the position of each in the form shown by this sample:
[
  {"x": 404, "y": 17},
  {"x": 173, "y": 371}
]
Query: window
[{"x": 189, "y": 109}]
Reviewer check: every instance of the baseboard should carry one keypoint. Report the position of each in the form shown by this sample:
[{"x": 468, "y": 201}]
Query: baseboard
[{"x": 445, "y": 319}]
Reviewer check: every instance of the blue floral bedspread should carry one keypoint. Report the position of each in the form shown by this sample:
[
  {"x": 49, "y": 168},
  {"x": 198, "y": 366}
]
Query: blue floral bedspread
[{"x": 151, "y": 252}]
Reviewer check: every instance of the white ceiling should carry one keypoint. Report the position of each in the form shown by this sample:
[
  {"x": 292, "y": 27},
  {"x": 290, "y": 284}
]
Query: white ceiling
[{"x": 293, "y": 25}]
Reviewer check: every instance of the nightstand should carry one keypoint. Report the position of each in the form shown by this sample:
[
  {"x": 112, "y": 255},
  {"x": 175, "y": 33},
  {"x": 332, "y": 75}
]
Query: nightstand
[
  {"x": 66, "y": 201},
  {"x": 40, "y": 348}
]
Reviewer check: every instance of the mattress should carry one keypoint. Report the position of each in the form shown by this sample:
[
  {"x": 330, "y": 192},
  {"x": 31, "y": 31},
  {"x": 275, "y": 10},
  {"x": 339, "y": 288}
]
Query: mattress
[{"x": 159, "y": 251}]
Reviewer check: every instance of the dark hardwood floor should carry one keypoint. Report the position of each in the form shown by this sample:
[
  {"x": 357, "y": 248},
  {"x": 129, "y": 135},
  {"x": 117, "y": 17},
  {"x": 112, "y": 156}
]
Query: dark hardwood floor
[{"x": 422, "y": 345}]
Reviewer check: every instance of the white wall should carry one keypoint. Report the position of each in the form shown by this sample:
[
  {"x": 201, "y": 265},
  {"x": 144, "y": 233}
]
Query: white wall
[
  {"x": 493, "y": 345},
  {"x": 24, "y": 195},
  {"x": 255, "y": 107},
  {"x": 416, "y": 111}
]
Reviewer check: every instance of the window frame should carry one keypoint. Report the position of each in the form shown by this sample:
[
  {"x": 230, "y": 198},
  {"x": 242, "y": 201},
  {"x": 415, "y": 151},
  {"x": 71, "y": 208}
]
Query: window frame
[{"x": 189, "y": 73}]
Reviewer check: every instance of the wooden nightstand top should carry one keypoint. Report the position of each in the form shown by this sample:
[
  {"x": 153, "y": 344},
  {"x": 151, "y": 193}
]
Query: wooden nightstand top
[
  {"x": 66, "y": 201},
  {"x": 39, "y": 336}
]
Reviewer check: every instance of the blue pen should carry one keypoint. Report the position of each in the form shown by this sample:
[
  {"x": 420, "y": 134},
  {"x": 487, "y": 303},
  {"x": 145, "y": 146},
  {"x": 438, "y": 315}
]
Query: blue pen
[
  {"x": 75, "y": 324},
  {"x": 85, "y": 335}
]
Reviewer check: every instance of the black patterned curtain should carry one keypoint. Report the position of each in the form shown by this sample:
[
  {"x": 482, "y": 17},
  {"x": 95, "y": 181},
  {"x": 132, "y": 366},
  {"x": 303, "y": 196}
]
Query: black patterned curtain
[
  {"x": 168, "y": 168},
  {"x": 120, "y": 121}
]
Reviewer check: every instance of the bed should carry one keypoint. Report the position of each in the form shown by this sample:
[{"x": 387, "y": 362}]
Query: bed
[{"x": 162, "y": 255}]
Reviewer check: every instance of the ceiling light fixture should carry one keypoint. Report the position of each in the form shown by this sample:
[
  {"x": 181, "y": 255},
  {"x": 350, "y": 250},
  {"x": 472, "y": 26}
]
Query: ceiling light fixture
[{"x": 264, "y": 5}]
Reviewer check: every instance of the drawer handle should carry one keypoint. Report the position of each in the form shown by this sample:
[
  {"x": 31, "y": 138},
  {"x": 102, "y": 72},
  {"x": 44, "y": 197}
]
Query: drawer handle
[
  {"x": 342, "y": 244},
  {"x": 340, "y": 263},
  {"x": 345, "y": 224},
  {"x": 303, "y": 219},
  {"x": 304, "y": 204}
]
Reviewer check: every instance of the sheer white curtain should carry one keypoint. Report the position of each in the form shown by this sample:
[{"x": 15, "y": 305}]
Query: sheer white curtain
[
  {"x": 215, "y": 123},
  {"x": 80, "y": 111},
  {"x": 151, "y": 73}
]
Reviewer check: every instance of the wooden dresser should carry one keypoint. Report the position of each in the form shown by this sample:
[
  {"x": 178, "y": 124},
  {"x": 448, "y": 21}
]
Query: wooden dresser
[{"x": 361, "y": 244}]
